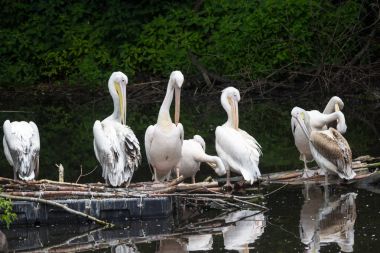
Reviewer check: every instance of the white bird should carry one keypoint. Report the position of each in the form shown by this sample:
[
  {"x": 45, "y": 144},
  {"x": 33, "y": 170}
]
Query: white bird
[
  {"x": 328, "y": 147},
  {"x": 238, "y": 150},
  {"x": 22, "y": 148},
  {"x": 116, "y": 146},
  {"x": 318, "y": 121},
  {"x": 247, "y": 228},
  {"x": 163, "y": 141},
  {"x": 193, "y": 153}
]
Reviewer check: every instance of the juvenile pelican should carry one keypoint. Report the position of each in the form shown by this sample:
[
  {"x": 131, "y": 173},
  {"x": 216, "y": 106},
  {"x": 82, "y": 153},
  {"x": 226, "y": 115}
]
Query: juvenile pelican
[
  {"x": 163, "y": 141},
  {"x": 22, "y": 148},
  {"x": 116, "y": 146},
  {"x": 193, "y": 153},
  {"x": 328, "y": 147},
  {"x": 319, "y": 121},
  {"x": 238, "y": 150}
]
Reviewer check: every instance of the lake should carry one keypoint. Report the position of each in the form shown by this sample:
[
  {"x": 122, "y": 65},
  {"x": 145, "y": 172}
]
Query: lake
[{"x": 305, "y": 218}]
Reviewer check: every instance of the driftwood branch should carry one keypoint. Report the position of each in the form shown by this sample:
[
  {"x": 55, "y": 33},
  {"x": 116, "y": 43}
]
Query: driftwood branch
[
  {"x": 53, "y": 203},
  {"x": 86, "y": 174}
]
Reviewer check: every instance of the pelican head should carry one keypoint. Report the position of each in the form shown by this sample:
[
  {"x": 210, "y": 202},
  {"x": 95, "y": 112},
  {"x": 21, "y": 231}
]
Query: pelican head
[
  {"x": 338, "y": 103},
  {"x": 341, "y": 126},
  {"x": 117, "y": 85},
  {"x": 296, "y": 111},
  {"x": 230, "y": 99},
  {"x": 176, "y": 78}
]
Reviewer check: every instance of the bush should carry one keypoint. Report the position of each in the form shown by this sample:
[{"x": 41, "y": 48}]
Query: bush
[{"x": 82, "y": 42}]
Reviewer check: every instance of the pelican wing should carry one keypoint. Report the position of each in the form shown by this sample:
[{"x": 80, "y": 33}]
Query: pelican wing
[
  {"x": 238, "y": 150},
  {"x": 148, "y": 142},
  {"x": 21, "y": 147},
  {"x": 108, "y": 152},
  {"x": 251, "y": 142},
  {"x": 131, "y": 147},
  {"x": 335, "y": 149}
]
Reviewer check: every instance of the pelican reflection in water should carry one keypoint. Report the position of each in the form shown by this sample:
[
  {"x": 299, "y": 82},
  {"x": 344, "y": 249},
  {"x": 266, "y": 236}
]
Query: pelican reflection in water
[
  {"x": 247, "y": 227},
  {"x": 326, "y": 220}
]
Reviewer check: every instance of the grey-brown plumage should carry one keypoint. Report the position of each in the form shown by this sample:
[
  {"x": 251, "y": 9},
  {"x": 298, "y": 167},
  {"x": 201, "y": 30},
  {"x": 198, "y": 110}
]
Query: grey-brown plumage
[{"x": 332, "y": 152}]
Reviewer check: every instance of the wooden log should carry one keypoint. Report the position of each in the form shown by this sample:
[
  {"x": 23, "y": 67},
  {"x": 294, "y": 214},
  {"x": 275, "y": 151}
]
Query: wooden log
[
  {"x": 53, "y": 203},
  {"x": 188, "y": 187},
  {"x": 70, "y": 194}
]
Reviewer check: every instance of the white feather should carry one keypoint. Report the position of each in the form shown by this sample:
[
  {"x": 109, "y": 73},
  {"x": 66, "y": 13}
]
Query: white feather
[
  {"x": 21, "y": 147},
  {"x": 239, "y": 151}
]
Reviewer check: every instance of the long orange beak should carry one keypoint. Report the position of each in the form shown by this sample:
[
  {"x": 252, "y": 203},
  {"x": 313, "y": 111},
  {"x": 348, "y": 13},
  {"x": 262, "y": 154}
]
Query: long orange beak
[
  {"x": 177, "y": 105},
  {"x": 234, "y": 112}
]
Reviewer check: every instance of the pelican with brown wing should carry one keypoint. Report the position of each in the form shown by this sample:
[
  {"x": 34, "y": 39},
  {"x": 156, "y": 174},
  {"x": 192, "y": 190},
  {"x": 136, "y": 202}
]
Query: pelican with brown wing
[{"x": 329, "y": 148}]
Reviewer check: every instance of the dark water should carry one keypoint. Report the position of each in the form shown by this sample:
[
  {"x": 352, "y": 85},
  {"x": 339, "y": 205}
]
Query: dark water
[{"x": 300, "y": 219}]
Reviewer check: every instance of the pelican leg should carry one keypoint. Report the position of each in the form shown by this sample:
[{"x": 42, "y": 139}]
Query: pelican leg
[
  {"x": 177, "y": 171},
  {"x": 155, "y": 176},
  {"x": 228, "y": 183},
  {"x": 14, "y": 174},
  {"x": 193, "y": 179},
  {"x": 306, "y": 172},
  {"x": 326, "y": 188}
]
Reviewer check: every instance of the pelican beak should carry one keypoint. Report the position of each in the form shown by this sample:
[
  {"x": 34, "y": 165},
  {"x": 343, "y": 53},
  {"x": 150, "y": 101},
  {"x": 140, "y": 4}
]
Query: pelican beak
[
  {"x": 337, "y": 110},
  {"x": 177, "y": 105},
  {"x": 235, "y": 112},
  {"x": 337, "y": 107},
  {"x": 122, "y": 101},
  {"x": 301, "y": 120}
]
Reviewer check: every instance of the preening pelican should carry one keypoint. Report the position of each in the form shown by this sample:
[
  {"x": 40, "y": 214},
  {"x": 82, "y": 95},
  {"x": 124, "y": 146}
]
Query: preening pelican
[
  {"x": 163, "y": 141},
  {"x": 318, "y": 121},
  {"x": 116, "y": 146},
  {"x": 327, "y": 220},
  {"x": 193, "y": 153},
  {"x": 238, "y": 150},
  {"x": 22, "y": 148},
  {"x": 328, "y": 147}
]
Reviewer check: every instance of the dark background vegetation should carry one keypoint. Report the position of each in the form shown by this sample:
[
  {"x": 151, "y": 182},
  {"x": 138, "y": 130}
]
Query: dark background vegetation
[{"x": 265, "y": 46}]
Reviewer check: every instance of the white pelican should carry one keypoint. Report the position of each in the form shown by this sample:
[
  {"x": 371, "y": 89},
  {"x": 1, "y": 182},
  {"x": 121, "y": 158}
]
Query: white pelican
[
  {"x": 324, "y": 221},
  {"x": 116, "y": 146},
  {"x": 328, "y": 147},
  {"x": 22, "y": 148},
  {"x": 247, "y": 228},
  {"x": 319, "y": 121},
  {"x": 193, "y": 153},
  {"x": 238, "y": 150},
  {"x": 163, "y": 141}
]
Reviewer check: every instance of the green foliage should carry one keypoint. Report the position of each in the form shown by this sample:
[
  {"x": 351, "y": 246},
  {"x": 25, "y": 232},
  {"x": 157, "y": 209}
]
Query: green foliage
[
  {"x": 82, "y": 42},
  {"x": 7, "y": 216}
]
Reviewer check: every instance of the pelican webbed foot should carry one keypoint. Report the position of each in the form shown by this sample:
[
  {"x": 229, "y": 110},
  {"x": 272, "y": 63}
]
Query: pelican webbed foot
[{"x": 307, "y": 173}]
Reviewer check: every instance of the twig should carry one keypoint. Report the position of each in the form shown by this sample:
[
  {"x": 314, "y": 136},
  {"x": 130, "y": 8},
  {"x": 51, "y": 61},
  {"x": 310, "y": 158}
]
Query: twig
[
  {"x": 53, "y": 203},
  {"x": 83, "y": 175},
  {"x": 265, "y": 195}
]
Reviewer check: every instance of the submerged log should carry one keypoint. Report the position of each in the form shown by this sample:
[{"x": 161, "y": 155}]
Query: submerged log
[{"x": 53, "y": 203}]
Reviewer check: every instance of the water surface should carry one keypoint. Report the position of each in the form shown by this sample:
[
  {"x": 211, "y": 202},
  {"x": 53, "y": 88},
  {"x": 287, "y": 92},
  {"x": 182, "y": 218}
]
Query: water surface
[{"x": 300, "y": 218}]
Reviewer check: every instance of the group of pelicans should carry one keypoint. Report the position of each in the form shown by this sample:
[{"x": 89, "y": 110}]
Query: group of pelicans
[{"x": 318, "y": 136}]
